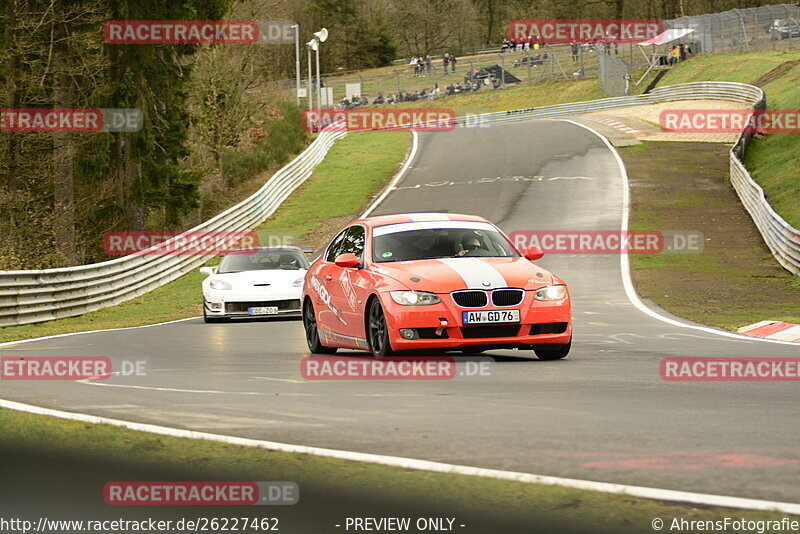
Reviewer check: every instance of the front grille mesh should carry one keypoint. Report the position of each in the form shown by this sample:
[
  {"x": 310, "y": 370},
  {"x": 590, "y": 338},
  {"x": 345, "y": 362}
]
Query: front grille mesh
[
  {"x": 507, "y": 297},
  {"x": 473, "y": 332},
  {"x": 470, "y": 299},
  {"x": 283, "y": 305}
]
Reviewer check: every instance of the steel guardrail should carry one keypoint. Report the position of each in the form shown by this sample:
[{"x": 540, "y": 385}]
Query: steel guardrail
[{"x": 42, "y": 295}]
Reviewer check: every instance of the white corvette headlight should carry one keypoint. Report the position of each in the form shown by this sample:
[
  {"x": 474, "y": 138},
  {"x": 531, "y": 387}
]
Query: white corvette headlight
[
  {"x": 219, "y": 284},
  {"x": 558, "y": 292},
  {"x": 414, "y": 298}
]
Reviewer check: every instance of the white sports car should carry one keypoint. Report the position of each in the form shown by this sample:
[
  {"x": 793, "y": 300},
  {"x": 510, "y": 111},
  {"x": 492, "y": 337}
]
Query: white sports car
[{"x": 262, "y": 282}]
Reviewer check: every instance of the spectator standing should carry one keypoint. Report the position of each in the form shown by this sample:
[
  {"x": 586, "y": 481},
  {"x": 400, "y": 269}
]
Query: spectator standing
[
  {"x": 453, "y": 63},
  {"x": 674, "y": 55},
  {"x": 573, "y": 46},
  {"x": 445, "y": 62},
  {"x": 428, "y": 63}
]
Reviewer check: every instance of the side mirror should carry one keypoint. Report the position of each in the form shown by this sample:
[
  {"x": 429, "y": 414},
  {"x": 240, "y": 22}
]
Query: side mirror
[
  {"x": 533, "y": 253},
  {"x": 347, "y": 259},
  {"x": 208, "y": 271}
]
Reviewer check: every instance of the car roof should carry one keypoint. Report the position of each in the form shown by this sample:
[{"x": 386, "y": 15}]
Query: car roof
[{"x": 382, "y": 220}]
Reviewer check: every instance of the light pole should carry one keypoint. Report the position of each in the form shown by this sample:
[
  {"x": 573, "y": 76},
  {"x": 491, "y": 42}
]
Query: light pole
[
  {"x": 320, "y": 37},
  {"x": 297, "y": 60},
  {"x": 311, "y": 45}
]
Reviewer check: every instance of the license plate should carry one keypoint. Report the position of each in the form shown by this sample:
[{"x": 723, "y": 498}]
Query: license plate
[
  {"x": 263, "y": 310},
  {"x": 490, "y": 316}
]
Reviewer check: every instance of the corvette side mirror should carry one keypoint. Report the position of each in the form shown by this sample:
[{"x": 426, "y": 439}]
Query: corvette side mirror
[
  {"x": 208, "y": 271},
  {"x": 533, "y": 253},
  {"x": 348, "y": 259}
]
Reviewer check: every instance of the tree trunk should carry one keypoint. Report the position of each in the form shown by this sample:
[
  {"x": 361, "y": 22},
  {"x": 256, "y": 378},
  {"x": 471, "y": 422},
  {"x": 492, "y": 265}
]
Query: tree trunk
[{"x": 63, "y": 190}]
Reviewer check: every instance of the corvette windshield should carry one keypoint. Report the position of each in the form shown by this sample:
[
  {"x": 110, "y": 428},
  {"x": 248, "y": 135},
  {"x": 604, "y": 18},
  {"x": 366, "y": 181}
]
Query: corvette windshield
[
  {"x": 429, "y": 243},
  {"x": 263, "y": 260}
]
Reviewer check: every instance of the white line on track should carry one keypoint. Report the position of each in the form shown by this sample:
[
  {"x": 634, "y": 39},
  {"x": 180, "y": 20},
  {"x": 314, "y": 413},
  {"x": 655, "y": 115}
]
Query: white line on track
[
  {"x": 390, "y": 186},
  {"x": 424, "y": 465},
  {"x": 625, "y": 264},
  {"x": 438, "y": 467}
]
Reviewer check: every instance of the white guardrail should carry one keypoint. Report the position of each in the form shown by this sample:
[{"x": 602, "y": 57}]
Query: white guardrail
[{"x": 43, "y": 295}]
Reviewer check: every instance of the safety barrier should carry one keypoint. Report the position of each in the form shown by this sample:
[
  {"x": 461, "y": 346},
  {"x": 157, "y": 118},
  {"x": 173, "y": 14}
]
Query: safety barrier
[
  {"x": 37, "y": 296},
  {"x": 43, "y": 295}
]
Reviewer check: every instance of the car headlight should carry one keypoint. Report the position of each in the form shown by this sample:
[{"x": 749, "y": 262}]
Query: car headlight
[
  {"x": 298, "y": 283},
  {"x": 219, "y": 284},
  {"x": 414, "y": 298},
  {"x": 551, "y": 293}
]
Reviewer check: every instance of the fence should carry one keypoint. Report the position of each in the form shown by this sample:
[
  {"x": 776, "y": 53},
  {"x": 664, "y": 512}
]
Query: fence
[
  {"x": 740, "y": 30},
  {"x": 43, "y": 295},
  {"x": 545, "y": 64},
  {"x": 613, "y": 75},
  {"x": 37, "y": 296},
  {"x": 731, "y": 31}
]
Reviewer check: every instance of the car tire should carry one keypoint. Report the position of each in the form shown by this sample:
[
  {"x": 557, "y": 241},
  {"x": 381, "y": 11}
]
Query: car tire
[
  {"x": 554, "y": 352},
  {"x": 377, "y": 331},
  {"x": 312, "y": 331}
]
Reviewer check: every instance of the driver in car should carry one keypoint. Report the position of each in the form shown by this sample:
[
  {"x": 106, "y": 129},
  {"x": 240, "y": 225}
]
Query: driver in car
[{"x": 472, "y": 244}]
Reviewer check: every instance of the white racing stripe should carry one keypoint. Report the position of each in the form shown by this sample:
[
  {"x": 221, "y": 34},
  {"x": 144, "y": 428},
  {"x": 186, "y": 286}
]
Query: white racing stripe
[{"x": 476, "y": 273}]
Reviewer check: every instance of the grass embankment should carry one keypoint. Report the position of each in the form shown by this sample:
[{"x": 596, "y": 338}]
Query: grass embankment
[
  {"x": 532, "y": 504},
  {"x": 355, "y": 168},
  {"x": 773, "y": 160},
  {"x": 734, "y": 281}
]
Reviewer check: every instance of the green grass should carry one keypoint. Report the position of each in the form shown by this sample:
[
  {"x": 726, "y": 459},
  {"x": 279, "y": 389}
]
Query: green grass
[
  {"x": 734, "y": 281},
  {"x": 206, "y": 460},
  {"x": 774, "y": 160},
  {"x": 746, "y": 67},
  {"x": 355, "y": 168}
]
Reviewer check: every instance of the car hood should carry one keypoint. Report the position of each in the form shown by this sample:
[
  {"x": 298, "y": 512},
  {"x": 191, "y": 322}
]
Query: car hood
[
  {"x": 246, "y": 279},
  {"x": 451, "y": 274}
]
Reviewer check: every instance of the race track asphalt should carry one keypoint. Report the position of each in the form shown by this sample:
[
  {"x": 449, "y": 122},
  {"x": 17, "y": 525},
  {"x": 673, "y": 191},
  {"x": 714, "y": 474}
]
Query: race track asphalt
[{"x": 602, "y": 414}]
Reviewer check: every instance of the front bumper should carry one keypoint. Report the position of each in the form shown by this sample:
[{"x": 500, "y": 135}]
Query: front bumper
[
  {"x": 541, "y": 323},
  {"x": 234, "y": 304}
]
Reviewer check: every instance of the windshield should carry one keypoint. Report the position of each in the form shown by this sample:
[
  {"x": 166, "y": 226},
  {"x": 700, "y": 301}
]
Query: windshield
[
  {"x": 263, "y": 260},
  {"x": 478, "y": 240}
]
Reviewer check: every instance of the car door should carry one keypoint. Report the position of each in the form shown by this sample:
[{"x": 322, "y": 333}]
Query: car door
[
  {"x": 350, "y": 286},
  {"x": 328, "y": 316}
]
